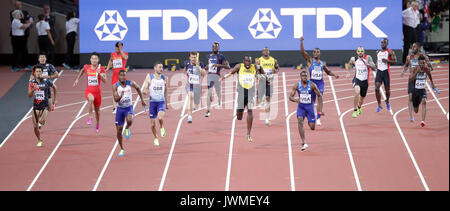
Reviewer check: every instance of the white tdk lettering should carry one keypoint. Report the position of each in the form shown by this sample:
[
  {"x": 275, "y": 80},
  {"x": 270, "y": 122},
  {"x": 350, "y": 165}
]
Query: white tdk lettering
[
  {"x": 201, "y": 24},
  {"x": 348, "y": 21}
]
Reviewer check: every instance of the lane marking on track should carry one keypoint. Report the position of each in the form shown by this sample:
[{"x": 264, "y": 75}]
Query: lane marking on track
[
  {"x": 230, "y": 151},
  {"x": 419, "y": 172},
  {"x": 99, "y": 178},
  {"x": 23, "y": 118},
  {"x": 175, "y": 138},
  {"x": 291, "y": 162},
  {"x": 57, "y": 147},
  {"x": 348, "y": 145},
  {"x": 334, "y": 95},
  {"x": 437, "y": 101}
]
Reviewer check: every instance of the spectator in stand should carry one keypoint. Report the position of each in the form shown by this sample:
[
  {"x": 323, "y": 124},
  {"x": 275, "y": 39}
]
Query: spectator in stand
[
  {"x": 51, "y": 19},
  {"x": 45, "y": 38},
  {"x": 71, "y": 34},
  {"x": 18, "y": 40},
  {"x": 411, "y": 19},
  {"x": 25, "y": 18}
]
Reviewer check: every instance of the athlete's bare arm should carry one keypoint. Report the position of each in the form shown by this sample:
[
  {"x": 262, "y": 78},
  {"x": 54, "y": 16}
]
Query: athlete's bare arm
[
  {"x": 305, "y": 55},
  {"x": 233, "y": 71},
  {"x": 78, "y": 77},
  {"x": 146, "y": 85},
  {"x": 31, "y": 90},
  {"x": 328, "y": 71},
  {"x": 124, "y": 55},
  {"x": 54, "y": 95},
  {"x": 109, "y": 64},
  {"x": 166, "y": 81},
  {"x": 277, "y": 68},
  {"x": 393, "y": 58},
  {"x": 102, "y": 75},
  {"x": 292, "y": 95},
  {"x": 138, "y": 90},
  {"x": 427, "y": 61},
  {"x": 431, "y": 79},
  {"x": 413, "y": 75},
  {"x": 115, "y": 94},
  {"x": 370, "y": 63},
  {"x": 406, "y": 66},
  {"x": 351, "y": 64}
]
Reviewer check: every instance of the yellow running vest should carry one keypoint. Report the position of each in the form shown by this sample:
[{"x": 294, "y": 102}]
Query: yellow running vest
[
  {"x": 268, "y": 65},
  {"x": 247, "y": 76}
]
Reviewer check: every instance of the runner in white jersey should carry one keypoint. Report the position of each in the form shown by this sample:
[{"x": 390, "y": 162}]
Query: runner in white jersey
[
  {"x": 385, "y": 58},
  {"x": 123, "y": 96},
  {"x": 156, "y": 85},
  {"x": 362, "y": 64}
]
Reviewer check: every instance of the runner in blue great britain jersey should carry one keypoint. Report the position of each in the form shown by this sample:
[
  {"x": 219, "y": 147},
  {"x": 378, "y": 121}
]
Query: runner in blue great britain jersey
[
  {"x": 316, "y": 67},
  {"x": 305, "y": 89},
  {"x": 419, "y": 94},
  {"x": 39, "y": 88},
  {"x": 123, "y": 96},
  {"x": 216, "y": 62},
  {"x": 412, "y": 61},
  {"x": 195, "y": 72},
  {"x": 156, "y": 85}
]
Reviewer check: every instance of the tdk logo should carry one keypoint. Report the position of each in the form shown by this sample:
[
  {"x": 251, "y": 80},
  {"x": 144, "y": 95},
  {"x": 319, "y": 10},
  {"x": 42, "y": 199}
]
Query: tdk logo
[
  {"x": 263, "y": 25},
  {"x": 110, "y": 26}
]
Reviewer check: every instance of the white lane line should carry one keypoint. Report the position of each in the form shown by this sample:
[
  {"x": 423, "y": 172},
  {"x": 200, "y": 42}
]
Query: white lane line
[
  {"x": 291, "y": 162},
  {"x": 57, "y": 147},
  {"x": 400, "y": 131},
  {"x": 82, "y": 108},
  {"x": 334, "y": 95},
  {"x": 174, "y": 141},
  {"x": 99, "y": 178},
  {"x": 23, "y": 118},
  {"x": 437, "y": 101},
  {"x": 230, "y": 151}
]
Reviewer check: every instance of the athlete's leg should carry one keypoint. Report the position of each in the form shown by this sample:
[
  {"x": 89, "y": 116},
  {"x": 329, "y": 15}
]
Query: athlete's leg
[
  {"x": 249, "y": 121},
  {"x": 161, "y": 118},
  {"x": 357, "y": 96},
  {"x": 301, "y": 130},
  {"x": 191, "y": 102},
  {"x": 209, "y": 99},
  {"x": 153, "y": 123},
  {"x": 361, "y": 101},
  {"x": 239, "y": 114},
  {"x": 43, "y": 116},
  {"x": 312, "y": 125},
  {"x": 97, "y": 115},
  {"x": 410, "y": 106},
  {"x": 267, "y": 108},
  {"x": 424, "y": 109},
  {"x": 91, "y": 104},
  {"x": 119, "y": 135},
  {"x": 378, "y": 93},
  {"x": 129, "y": 121},
  {"x": 218, "y": 88},
  {"x": 35, "y": 114}
]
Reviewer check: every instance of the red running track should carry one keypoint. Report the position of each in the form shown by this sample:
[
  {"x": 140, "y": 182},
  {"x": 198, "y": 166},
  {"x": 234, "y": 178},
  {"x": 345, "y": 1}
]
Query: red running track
[{"x": 200, "y": 158}]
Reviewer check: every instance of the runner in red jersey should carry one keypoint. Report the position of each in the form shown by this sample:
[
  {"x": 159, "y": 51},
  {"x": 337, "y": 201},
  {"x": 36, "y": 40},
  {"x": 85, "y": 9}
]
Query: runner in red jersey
[
  {"x": 95, "y": 74},
  {"x": 117, "y": 61}
]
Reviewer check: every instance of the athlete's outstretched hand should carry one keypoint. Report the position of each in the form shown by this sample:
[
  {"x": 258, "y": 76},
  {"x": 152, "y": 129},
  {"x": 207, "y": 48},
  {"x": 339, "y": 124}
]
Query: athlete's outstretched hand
[
  {"x": 301, "y": 38},
  {"x": 321, "y": 113},
  {"x": 75, "y": 83},
  {"x": 336, "y": 76}
]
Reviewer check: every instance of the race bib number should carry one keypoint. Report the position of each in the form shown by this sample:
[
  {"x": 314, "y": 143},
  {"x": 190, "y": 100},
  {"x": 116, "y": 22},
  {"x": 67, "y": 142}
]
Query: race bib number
[
  {"x": 92, "y": 81},
  {"x": 194, "y": 79},
  {"x": 414, "y": 63},
  {"x": 117, "y": 63},
  {"x": 305, "y": 98},
  {"x": 45, "y": 73},
  {"x": 268, "y": 73},
  {"x": 39, "y": 95},
  {"x": 420, "y": 84},
  {"x": 247, "y": 79},
  {"x": 316, "y": 73},
  {"x": 212, "y": 68}
]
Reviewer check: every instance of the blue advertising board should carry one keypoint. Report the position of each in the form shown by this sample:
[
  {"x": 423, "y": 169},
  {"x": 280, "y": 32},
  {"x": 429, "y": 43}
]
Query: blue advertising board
[{"x": 250, "y": 25}]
